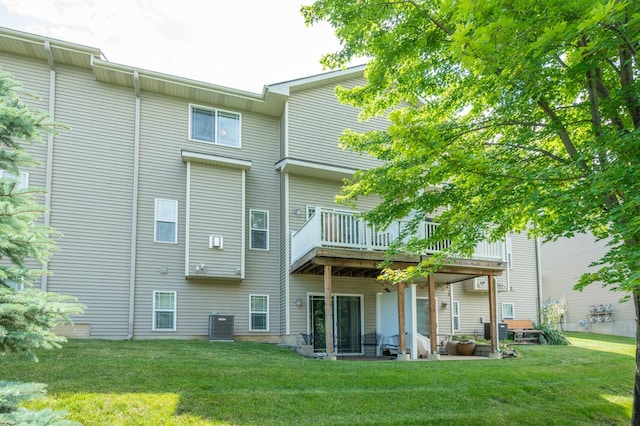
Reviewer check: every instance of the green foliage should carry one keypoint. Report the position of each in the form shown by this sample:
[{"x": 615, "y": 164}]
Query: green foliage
[
  {"x": 551, "y": 335},
  {"x": 12, "y": 394},
  {"x": 522, "y": 116},
  {"x": 27, "y": 316}
]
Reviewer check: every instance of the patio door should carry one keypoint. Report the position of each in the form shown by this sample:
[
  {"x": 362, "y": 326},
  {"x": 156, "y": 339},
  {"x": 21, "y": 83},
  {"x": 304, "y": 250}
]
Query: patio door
[
  {"x": 347, "y": 327},
  {"x": 422, "y": 316}
]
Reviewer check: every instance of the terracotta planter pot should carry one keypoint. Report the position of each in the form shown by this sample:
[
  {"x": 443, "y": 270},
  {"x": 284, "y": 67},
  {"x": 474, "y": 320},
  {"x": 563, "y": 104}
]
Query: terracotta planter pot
[
  {"x": 452, "y": 347},
  {"x": 466, "y": 348}
]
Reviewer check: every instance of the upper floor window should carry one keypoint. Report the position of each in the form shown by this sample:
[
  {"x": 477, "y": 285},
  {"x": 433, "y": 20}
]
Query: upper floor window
[
  {"x": 16, "y": 285},
  {"x": 166, "y": 221},
  {"x": 22, "y": 182},
  {"x": 214, "y": 126},
  {"x": 259, "y": 220}
]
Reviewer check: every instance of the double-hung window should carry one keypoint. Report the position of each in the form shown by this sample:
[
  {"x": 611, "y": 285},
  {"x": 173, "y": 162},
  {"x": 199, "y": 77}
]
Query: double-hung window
[
  {"x": 164, "y": 310},
  {"x": 456, "y": 315},
  {"x": 214, "y": 126},
  {"x": 166, "y": 221},
  {"x": 259, "y": 224},
  {"x": 22, "y": 181},
  {"x": 259, "y": 312},
  {"x": 508, "y": 312}
]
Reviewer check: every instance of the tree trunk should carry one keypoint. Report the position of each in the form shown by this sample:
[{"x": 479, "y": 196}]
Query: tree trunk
[{"x": 635, "y": 419}]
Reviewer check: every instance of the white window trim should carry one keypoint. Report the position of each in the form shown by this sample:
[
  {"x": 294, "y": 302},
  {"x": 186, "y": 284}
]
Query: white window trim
[
  {"x": 174, "y": 310},
  {"x": 509, "y": 252},
  {"x": 216, "y": 111},
  {"x": 251, "y": 312},
  {"x": 23, "y": 181},
  {"x": 455, "y": 308},
  {"x": 513, "y": 311},
  {"x": 156, "y": 220},
  {"x": 251, "y": 229}
]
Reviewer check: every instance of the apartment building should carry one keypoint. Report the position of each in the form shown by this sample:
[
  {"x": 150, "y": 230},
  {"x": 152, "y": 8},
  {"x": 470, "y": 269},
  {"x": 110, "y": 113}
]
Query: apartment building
[{"x": 189, "y": 209}]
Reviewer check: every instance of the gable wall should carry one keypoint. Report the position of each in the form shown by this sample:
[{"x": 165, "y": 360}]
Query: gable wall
[
  {"x": 563, "y": 262},
  {"x": 316, "y": 120}
]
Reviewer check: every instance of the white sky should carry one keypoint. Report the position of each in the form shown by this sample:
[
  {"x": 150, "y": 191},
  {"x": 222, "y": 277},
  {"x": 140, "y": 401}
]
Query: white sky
[{"x": 241, "y": 44}]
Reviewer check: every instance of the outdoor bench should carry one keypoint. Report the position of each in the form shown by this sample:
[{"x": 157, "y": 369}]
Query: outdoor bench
[{"x": 523, "y": 331}]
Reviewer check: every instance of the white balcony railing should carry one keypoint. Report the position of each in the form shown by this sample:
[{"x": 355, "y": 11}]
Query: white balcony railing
[{"x": 340, "y": 229}]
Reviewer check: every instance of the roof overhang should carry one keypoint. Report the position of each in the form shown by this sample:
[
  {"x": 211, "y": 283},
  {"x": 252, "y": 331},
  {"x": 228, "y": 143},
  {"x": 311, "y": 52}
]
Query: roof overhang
[
  {"x": 215, "y": 160},
  {"x": 313, "y": 169}
]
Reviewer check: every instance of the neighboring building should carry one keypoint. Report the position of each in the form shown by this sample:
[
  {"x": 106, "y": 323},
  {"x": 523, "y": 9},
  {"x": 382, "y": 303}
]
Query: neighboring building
[
  {"x": 178, "y": 199},
  {"x": 596, "y": 309}
]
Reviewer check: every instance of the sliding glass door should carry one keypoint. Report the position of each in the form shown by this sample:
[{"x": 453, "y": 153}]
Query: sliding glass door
[{"x": 347, "y": 327}]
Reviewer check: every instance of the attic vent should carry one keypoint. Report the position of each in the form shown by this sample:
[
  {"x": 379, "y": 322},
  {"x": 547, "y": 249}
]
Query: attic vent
[{"x": 221, "y": 328}]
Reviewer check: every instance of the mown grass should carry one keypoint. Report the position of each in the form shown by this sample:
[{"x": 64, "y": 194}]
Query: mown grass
[{"x": 202, "y": 383}]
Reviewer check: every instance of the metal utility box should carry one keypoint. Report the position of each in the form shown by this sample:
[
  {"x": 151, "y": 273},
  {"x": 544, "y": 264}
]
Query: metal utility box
[
  {"x": 502, "y": 330},
  {"x": 221, "y": 328}
]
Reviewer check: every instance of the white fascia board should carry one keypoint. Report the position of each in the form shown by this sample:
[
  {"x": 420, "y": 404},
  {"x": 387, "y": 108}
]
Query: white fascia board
[
  {"x": 233, "y": 163},
  {"x": 309, "y": 168}
]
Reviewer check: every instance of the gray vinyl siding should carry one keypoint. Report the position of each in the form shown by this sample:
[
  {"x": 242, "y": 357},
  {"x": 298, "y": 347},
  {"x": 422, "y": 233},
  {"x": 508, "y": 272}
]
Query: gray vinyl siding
[
  {"x": 260, "y": 139},
  {"x": 563, "y": 262},
  {"x": 316, "y": 120},
  {"x": 524, "y": 295},
  {"x": 216, "y": 209},
  {"x": 34, "y": 77},
  {"x": 91, "y": 199}
]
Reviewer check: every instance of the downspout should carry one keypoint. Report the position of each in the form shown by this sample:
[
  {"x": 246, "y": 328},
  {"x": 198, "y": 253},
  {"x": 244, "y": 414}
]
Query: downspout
[
  {"x": 134, "y": 205},
  {"x": 287, "y": 255},
  {"x": 287, "y": 229},
  {"x": 44, "y": 283},
  {"x": 539, "y": 276}
]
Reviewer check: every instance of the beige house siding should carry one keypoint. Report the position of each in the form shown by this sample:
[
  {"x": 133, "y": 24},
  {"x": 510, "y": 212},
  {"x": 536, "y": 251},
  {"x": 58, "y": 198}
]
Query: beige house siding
[
  {"x": 91, "y": 198},
  {"x": 522, "y": 281},
  {"x": 101, "y": 192},
  {"x": 563, "y": 262},
  {"x": 316, "y": 120}
]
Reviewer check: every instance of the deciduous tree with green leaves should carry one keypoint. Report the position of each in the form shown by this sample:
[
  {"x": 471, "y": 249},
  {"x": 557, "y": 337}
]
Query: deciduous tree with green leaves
[
  {"x": 520, "y": 116},
  {"x": 27, "y": 315}
]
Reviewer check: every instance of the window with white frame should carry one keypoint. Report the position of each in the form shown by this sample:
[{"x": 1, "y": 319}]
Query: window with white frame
[
  {"x": 509, "y": 253},
  {"x": 22, "y": 181},
  {"x": 259, "y": 229},
  {"x": 259, "y": 312},
  {"x": 166, "y": 221},
  {"x": 164, "y": 310},
  {"x": 214, "y": 126},
  {"x": 507, "y": 311},
  {"x": 15, "y": 285},
  {"x": 311, "y": 210},
  {"x": 456, "y": 315}
]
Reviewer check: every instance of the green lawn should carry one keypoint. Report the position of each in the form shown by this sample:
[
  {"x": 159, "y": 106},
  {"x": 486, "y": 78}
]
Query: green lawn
[{"x": 202, "y": 383}]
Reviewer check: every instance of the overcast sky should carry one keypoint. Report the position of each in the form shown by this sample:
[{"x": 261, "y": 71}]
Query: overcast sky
[{"x": 242, "y": 44}]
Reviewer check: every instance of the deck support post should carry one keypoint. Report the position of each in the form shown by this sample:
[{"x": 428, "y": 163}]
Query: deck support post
[
  {"x": 493, "y": 314},
  {"x": 328, "y": 313},
  {"x": 433, "y": 334},
  {"x": 402, "y": 340}
]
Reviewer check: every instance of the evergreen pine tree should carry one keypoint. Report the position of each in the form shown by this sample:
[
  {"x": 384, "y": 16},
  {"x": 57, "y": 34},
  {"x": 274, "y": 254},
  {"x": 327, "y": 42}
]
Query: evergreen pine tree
[{"x": 27, "y": 315}]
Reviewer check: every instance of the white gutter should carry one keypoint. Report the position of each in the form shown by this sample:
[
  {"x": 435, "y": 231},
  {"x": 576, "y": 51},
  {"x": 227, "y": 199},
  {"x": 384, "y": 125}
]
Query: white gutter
[
  {"x": 134, "y": 205},
  {"x": 44, "y": 283}
]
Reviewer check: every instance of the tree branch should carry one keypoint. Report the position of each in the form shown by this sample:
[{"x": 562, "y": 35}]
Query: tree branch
[{"x": 562, "y": 133}]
